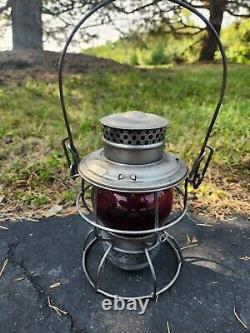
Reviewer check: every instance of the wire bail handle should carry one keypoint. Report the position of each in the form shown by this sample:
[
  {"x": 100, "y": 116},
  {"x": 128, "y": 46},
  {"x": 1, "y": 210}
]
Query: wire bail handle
[{"x": 198, "y": 171}]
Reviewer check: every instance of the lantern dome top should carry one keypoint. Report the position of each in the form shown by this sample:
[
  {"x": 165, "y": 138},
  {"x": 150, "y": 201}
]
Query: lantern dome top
[
  {"x": 102, "y": 172},
  {"x": 134, "y": 120},
  {"x": 133, "y": 159}
]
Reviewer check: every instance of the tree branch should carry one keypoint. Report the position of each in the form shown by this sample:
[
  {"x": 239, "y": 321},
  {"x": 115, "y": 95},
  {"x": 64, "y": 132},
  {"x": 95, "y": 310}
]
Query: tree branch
[
  {"x": 241, "y": 4},
  {"x": 237, "y": 15},
  {"x": 122, "y": 10}
]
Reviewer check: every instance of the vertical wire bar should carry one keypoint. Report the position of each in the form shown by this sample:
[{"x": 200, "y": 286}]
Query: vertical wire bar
[
  {"x": 178, "y": 253},
  {"x": 97, "y": 232},
  {"x": 154, "y": 296},
  {"x": 87, "y": 238},
  {"x": 185, "y": 199},
  {"x": 156, "y": 209},
  {"x": 156, "y": 204},
  {"x": 95, "y": 204},
  {"x": 101, "y": 266}
]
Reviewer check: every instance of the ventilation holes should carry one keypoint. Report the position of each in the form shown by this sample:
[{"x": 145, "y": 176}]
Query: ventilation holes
[{"x": 134, "y": 137}]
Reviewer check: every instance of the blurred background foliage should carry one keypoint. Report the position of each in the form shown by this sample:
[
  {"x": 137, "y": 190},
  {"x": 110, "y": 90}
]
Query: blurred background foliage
[{"x": 149, "y": 49}]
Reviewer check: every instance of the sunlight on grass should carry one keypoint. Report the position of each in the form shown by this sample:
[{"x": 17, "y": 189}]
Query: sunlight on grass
[{"x": 33, "y": 168}]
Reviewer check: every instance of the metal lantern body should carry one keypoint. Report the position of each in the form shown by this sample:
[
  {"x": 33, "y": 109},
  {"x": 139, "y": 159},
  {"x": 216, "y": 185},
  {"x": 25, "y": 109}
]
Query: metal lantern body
[{"x": 132, "y": 182}]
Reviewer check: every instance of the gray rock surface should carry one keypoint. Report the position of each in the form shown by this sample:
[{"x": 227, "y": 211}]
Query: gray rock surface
[{"x": 213, "y": 280}]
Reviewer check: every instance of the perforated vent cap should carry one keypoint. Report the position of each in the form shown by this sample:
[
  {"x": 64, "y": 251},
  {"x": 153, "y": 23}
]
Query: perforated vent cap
[
  {"x": 135, "y": 138},
  {"x": 134, "y": 128}
]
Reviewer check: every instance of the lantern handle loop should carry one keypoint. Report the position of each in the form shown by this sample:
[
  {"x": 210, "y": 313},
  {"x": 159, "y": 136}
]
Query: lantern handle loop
[{"x": 196, "y": 176}]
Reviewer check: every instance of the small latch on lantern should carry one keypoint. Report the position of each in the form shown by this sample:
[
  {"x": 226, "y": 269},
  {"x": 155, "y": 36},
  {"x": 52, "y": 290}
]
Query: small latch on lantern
[
  {"x": 197, "y": 173},
  {"x": 72, "y": 157}
]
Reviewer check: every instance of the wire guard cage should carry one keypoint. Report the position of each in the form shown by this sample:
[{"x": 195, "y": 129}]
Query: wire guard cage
[
  {"x": 132, "y": 170},
  {"x": 137, "y": 258}
]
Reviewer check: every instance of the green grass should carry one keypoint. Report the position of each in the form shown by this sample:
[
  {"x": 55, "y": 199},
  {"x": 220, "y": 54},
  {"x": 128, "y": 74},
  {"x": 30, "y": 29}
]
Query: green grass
[{"x": 33, "y": 170}]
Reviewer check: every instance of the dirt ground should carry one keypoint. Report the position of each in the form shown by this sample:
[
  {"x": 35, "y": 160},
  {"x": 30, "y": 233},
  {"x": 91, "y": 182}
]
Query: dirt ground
[{"x": 17, "y": 65}]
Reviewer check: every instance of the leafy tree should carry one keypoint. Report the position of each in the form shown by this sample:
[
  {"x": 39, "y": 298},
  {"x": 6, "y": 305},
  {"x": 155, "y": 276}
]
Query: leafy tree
[
  {"x": 166, "y": 17},
  {"x": 217, "y": 10},
  {"x": 237, "y": 41},
  {"x": 33, "y": 21}
]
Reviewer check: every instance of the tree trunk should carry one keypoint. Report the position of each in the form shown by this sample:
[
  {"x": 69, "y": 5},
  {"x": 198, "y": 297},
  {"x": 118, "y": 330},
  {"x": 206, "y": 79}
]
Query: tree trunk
[
  {"x": 209, "y": 44},
  {"x": 27, "y": 30}
]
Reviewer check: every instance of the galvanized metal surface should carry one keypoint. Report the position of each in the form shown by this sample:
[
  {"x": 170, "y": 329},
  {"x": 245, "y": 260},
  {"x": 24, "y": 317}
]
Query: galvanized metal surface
[
  {"x": 129, "y": 154},
  {"x": 134, "y": 120},
  {"x": 129, "y": 252},
  {"x": 130, "y": 261},
  {"x": 99, "y": 171},
  {"x": 133, "y": 137},
  {"x": 138, "y": 137}
]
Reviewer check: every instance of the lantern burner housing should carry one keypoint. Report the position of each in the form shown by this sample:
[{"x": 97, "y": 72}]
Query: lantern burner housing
[{"x": 133, "y": 137}]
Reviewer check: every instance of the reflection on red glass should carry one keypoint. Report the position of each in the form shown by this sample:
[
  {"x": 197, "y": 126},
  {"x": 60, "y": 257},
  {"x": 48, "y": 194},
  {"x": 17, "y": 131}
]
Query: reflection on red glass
[{"x": 126, "y": 211}]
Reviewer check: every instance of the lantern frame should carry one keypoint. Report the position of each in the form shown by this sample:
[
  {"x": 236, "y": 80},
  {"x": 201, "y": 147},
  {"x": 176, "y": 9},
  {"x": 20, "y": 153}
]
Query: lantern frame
[
  {"x": 167, "y": 224},
  {"x": 162, "y": 237},
  {"x": 195, "y": 178},
  {"x": 166, "y": 238}
]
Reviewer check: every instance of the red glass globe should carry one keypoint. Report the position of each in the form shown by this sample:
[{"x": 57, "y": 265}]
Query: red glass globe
[{"x": 128, "y": 211}]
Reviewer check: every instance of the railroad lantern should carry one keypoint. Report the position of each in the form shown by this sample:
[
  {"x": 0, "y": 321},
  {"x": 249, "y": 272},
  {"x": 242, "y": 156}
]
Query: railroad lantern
[{"x": 132, "y": 180}]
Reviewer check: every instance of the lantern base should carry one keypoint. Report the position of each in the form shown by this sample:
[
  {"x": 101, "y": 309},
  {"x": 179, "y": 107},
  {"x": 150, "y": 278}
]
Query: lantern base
[
  {"x": 128, "y": 252},
  {"x": 149, "y": 253}
]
